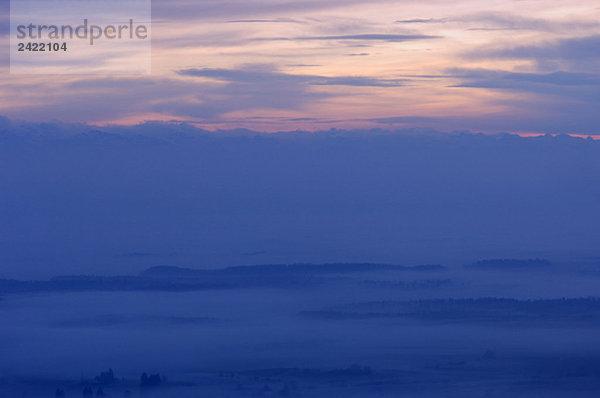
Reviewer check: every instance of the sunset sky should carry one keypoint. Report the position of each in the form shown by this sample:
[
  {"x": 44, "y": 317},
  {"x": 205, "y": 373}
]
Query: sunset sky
[{"x": 528, "y": 66}]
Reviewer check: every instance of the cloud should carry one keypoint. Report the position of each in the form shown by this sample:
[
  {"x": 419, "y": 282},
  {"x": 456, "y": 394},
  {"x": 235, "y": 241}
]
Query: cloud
[
  {"x": 395, "y": 38},
  {"x": 515, "y": 80},
  {"x": 489, "y": 29},
  {"x": 552, "y": 92},
  {"x": 507, "y": 21},
  {"x": 98, "y": 99},
  {"x": 101, "y": 99},
  {"x": 268, "y": 76},
  {"x": 276, "y": 20},
  {"x": 4, "y": 17},
  {"x": 499, "y": 21},
  {"x": 412, "y": 120},
  {"x": 423, "y": 20},
  {"x": 358, "y": 81},
  {"x": 557, "y": 101},
  {"x": 575, "y": 52},
  {"x": 241, "y": 9}
]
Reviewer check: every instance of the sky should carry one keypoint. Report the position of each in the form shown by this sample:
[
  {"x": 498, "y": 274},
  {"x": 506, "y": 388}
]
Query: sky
[{"x": 521, "y": 66}]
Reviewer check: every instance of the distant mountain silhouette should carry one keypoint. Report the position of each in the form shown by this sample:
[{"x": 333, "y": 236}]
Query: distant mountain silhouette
[
  {"x": 162, "y": 271},
  {"x": 512, "y": 264},
  {"x": 167, "y": 278},
  {"x": 566, "y": 311}
]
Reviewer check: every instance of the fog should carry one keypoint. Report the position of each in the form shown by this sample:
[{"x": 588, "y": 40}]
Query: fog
[
  {"x": 411, "y": 263},
  {"x": 58, "y": 337},
  {"x": 77, "y": 201}
]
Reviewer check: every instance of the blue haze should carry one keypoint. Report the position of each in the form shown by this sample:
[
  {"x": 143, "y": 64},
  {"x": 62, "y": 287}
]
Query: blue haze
[{"x": 341, "y": 263}]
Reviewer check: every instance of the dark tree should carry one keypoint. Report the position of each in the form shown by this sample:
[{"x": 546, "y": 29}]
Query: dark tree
[
  {"x": 106, "y": 378},
  {"x": 150, "y": 381}
]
